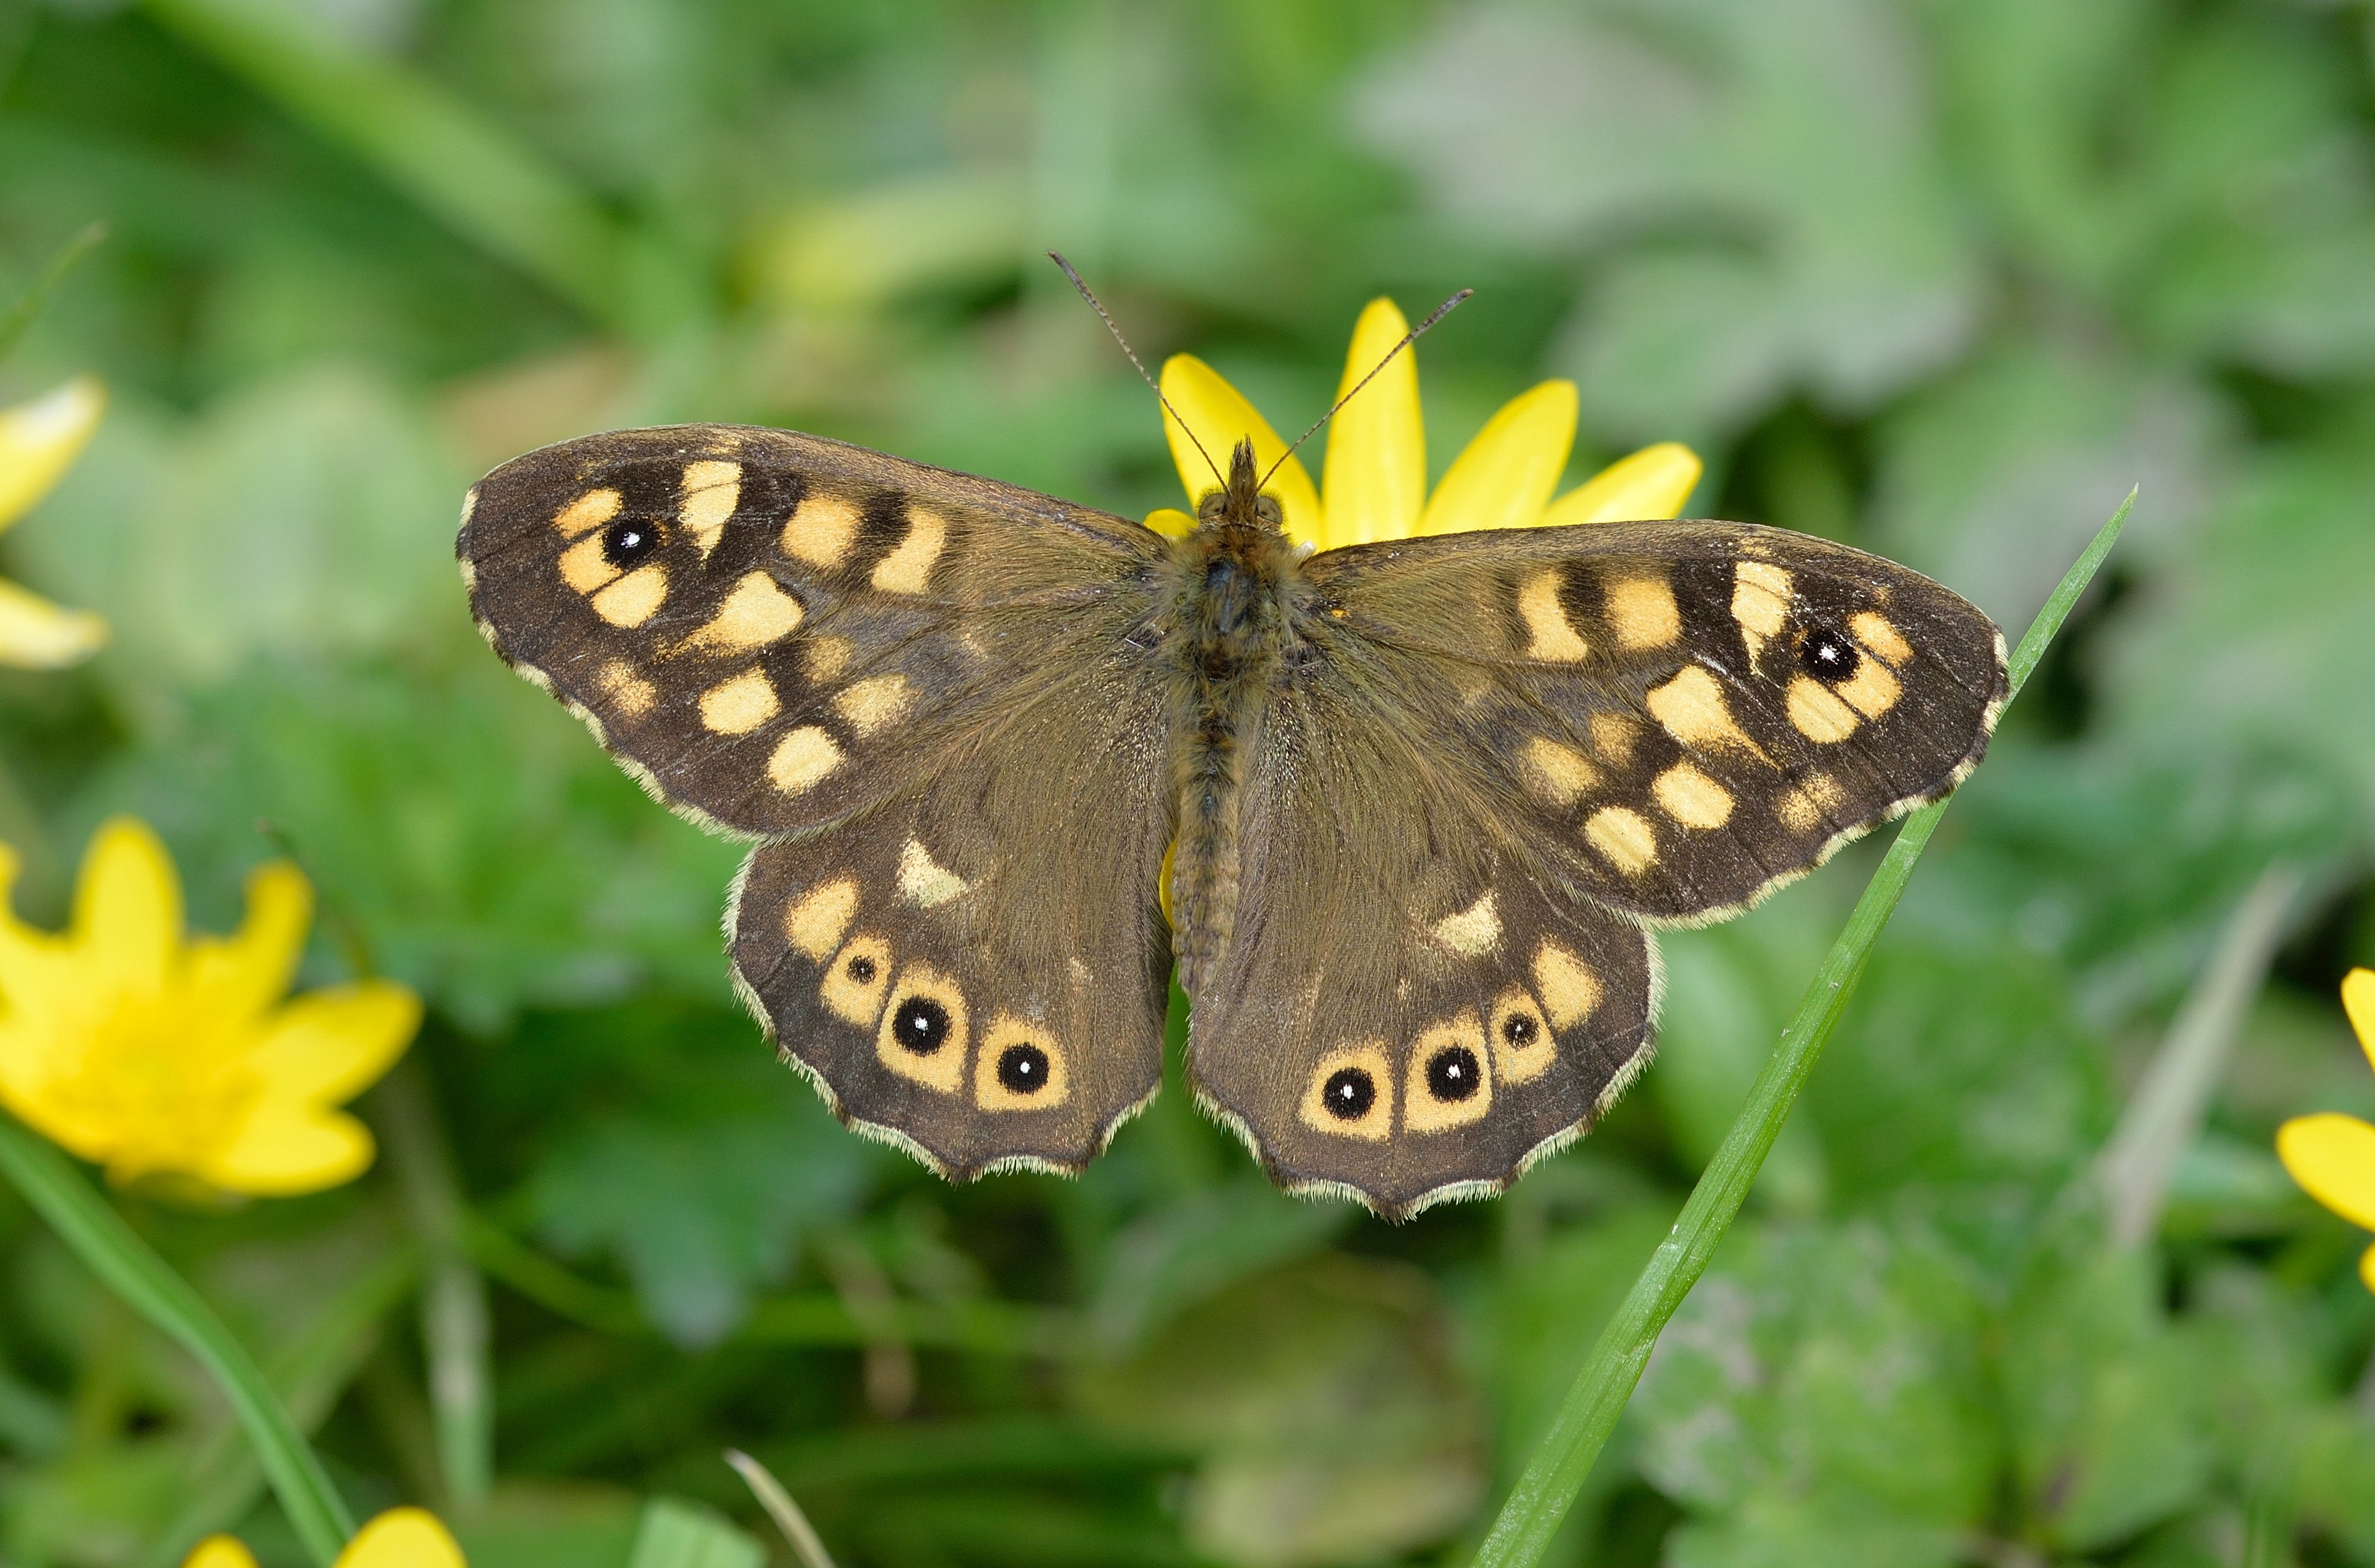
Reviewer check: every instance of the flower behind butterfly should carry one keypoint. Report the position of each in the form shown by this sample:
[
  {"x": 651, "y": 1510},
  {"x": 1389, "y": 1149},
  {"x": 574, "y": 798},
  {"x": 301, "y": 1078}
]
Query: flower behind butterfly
[
  {"x": 2332, "y": 1155},
  {"x": 1376, "y": 472}
]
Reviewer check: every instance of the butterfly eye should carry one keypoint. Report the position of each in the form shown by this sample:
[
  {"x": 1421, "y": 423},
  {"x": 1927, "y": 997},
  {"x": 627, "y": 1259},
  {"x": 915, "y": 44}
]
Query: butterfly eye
[
  {"x": 1827, "y": 655},
  {"x": 1023, "y": 1069},
  {"x": 1453, "y": 1073},
  {"x": 624, "y": 544},
  {"x": 922, "y": 1025},
  {"x": 1349, "y": 1094}
]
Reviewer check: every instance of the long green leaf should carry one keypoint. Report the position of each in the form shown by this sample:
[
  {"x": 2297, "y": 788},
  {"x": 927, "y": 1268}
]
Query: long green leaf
[
  {"x": 131, "y": 1267},
  {"x": 1557, "y": 1472},
  {"x": 464, "y": 170}
]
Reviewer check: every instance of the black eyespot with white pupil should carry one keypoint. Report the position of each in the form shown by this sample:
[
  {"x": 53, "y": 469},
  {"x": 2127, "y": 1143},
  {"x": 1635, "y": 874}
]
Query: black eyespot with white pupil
[
  {"x": 1453, "y": 1073},
  {"x": 624, "y": 544},
  {"x": 1349, "y": 1094},
  {"x": 921, "y": 1025},
  {"x": 860, "y": 969},
  {"x": 1023, "y": 1069},
  {"x": 1826, "y": 655},
  {"x": 1521, "y": 1030}
]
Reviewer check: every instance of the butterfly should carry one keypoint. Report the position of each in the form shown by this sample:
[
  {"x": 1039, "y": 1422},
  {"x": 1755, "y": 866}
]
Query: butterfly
[{"x": 1402, "y": 815}]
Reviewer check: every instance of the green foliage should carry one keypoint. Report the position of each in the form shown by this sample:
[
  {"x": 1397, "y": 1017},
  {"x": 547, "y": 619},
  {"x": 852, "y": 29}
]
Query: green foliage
[{"x": 1943, "y": 277}]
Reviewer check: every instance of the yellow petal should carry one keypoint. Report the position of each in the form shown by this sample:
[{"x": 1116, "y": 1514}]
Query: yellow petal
[
  {"x": 2358, "y": 1003},
  {"x": 1649, "y": 486},
  {"x": 1509, "y": 470},
  {"x": 37, "y": 634},
  {"x": 2367, "y": 1267},
  {"x": 1221, "y": 418},
  {"x": 1376, "y": 476},
  {"x": 127, "y": 916},
  {"x": 242, "y": 976},
  {"x": 1170, "y": 521},
  {"x": 39, "y": 440},
  {"x": 402, "y": 1538},
  {"x": 36, "y": 969},
  {"x": 219, "y": 1552},
  {"x": 2333, "y": 1156},
  {"x": 327, "y": 1046},
  {"x": 287, "y": 1147}
]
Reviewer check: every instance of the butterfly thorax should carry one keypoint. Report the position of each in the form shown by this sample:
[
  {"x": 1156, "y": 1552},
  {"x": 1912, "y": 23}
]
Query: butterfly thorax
[{"x": 1236, "y": 599}]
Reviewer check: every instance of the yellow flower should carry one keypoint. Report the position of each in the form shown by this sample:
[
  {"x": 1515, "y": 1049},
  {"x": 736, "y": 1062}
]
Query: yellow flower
[
  {"x": 401, "y": 1538},
  {"x": 1376, "y": 477},
  {"x": 2332, "y": 1155},
  {"x": 39, "y": 441},
  {"x": 146, "y": 1054}
]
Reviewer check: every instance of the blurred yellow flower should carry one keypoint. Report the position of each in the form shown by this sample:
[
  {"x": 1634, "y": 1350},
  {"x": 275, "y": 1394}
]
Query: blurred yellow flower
[
  {"x": 39, "y": 441},
  {"x": 2332, "y": 1155},
  {"x": 1376, "y": 477},
  {"x": 146, "y": 1054},
  {"x": 401, "y": 1538}
]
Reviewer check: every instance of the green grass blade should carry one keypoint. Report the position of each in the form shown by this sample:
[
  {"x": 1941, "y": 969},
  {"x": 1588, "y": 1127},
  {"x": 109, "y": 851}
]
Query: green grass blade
[
  {"x": 464, "y": 170},
  {"x": 131, "y": 1267},
  {"x": 1557, "y": 1472},
  {"x": 23, "y": 313}
]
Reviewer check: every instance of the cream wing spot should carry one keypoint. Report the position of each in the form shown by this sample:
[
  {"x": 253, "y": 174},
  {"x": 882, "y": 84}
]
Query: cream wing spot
[
  {"x": 823, "y": 658},
  {"x": 908, "y": 569},
  {"x": 1351, "y": 1094},
  {"x": 1810, "y": 804},
  {"x": 1878, "y": 633},
  {"x": 816, "y": 922},
  {"x": 1613, "y": 735},
  {"x": 1569, "y": 990},
  {"x": 1760, "y": 602},
  {"x": 755, "y": 612},
  {"x": 1550, "y": 636},
  {"x": 1559, "y": 772},
  {"x": 924, "y": 882},
  {"x": 739, "y": 704},
  {"x": 1642, "y": 612},
  {"x": 712, "y": 489},
  {"x": 584, "y": 567},
  {"x": 626, "y": 691},
  {"x": 588, "y": 511},
  {"x": 1817, "y": 713},
  {"x": 1020, "y": 1066},
  {"x": 1624, "y": 837},
  {"x": 855, "y": 983},
  {"x": 871, "y": 703},
  {"x": 820, "y": 530},
  {"x": 1450, "y": 1079},
  {"x": 1871, "y": 690},
  {"x": 803, "y": 758},
  {"x": 1692, "y": 709},
  {"x": 634, "y": 599},
  {"x": 1692, "y": 798},
  {"x": 1522, "y": 1043},
  {"x": 923, "y": 1033},
  {"x": 1473, "y": 932}
]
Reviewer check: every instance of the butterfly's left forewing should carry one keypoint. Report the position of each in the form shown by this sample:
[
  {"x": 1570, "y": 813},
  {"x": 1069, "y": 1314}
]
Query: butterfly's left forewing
[{"x": 931, "y": 696}]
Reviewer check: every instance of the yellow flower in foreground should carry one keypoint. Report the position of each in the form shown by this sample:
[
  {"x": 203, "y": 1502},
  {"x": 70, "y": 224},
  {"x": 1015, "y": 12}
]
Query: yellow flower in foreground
[
  {"x": 146, "y": 1054},
  {"x": 1376, "y": 477},
  {"x": 39, "y": 441},
  {"x": 2332, "y": 1155},
  {"x": 401, "y": 1538}
]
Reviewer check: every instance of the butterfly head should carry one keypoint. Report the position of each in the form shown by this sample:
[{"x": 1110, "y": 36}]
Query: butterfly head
[{"x": 1241, "y": 502}]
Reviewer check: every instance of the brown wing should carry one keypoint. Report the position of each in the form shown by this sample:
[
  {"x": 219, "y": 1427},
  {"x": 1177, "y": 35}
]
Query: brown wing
[
  {"x": 930, "y": 693},
  {"x": 771, "y": 628},
  {"x": 1503, "y": 753}
]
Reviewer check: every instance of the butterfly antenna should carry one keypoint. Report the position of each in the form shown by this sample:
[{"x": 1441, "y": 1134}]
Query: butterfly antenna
[
  {"x": 1409, "y": 337},
  {"x": 1106, "y": 317}
]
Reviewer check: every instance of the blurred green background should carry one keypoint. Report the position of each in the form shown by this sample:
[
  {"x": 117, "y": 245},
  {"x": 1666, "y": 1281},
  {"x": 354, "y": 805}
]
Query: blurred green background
[{"x": 1943, "y": 277}]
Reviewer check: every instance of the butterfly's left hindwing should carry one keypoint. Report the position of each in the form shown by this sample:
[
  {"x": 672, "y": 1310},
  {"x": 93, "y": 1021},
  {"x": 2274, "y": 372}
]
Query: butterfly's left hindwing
[{"x": 929, "y": 694}]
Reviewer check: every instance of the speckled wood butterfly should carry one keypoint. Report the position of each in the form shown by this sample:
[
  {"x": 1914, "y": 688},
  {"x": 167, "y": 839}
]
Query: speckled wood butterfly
[{"x": 1427, "y": 797}]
